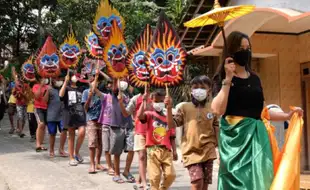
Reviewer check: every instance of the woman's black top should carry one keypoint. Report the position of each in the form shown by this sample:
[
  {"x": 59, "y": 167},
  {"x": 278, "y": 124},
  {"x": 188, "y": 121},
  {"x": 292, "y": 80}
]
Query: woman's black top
[{"x": 246, "y": 97}]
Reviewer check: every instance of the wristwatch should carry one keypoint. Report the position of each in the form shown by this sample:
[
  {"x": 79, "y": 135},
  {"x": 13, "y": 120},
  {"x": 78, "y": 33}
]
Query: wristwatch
[{"x": 225, "y": 82}]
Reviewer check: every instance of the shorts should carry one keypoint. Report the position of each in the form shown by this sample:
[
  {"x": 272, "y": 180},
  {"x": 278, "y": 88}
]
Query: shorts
[
  {"x": 21, "y": 112},
  {"x": 53, "y": 125},
  {"x": 41, "y": 115},
  {"x": 139, "y": 142},
  {"x": 113, "y": 140},
  {"x": 201, "y": 171},
  {"x": 73, "y": 122},
  {"x": 94, "y": 132},
  {"x": 12, "y": 109},
  {"x": 129, "y": 140}
]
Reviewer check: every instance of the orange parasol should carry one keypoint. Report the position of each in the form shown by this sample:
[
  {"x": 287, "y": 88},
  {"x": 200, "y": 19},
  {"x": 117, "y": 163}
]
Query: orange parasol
[{"x": 218, "y": 15}]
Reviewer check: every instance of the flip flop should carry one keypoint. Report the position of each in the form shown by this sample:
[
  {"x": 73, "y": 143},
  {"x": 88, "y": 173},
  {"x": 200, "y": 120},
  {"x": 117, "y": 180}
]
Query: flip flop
[
  {"x": 111, "y": 172},
  {"x": 63, "y": 154},
  {"x": 118, "y": 179},
  {"x": 130, "y": 178},
  {"x": 101, "y": 168},
  {"x": 91, "y": 171},
  {"x": 40, "y": 149}
]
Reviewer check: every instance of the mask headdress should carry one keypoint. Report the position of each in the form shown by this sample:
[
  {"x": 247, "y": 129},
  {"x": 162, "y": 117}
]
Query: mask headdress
[
  {"x": 89, "y": 66},
  {"x": 28, "y": 70},
  {"x": 165, "y": 56},
  {"x": 104, "y": 19},
  {"x": 92, "y": 44},
  {"x": 135, "y": 62},
  {"x": 47, "y": 60},
  {"x": 70, "y": 52},
  {"x": 115, "y": 53}
]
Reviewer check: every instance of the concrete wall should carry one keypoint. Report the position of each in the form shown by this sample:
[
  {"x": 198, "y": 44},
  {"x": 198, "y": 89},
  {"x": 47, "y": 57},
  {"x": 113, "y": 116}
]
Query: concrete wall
[{"x": 300, "y": 5}]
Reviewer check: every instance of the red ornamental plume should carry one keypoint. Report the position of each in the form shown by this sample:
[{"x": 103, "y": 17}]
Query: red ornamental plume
[{"x": 47, "y": 60}]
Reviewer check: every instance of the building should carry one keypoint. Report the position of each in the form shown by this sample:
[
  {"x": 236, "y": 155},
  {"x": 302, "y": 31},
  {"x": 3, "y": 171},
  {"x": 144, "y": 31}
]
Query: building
[{"x": 280, "y": 37}]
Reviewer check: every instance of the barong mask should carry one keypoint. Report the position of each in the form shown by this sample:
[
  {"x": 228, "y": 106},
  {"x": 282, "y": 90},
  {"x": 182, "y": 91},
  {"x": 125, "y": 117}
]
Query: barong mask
[
  {"x": 70, "y": 52},
  {"x": 28, "y": 70},
  {"x": 165, "y": 56},
  {"x": 47, "y": 61},
  {"x": 135, "y": 62},
  {"x": 103, "y": 21},
  {"x": 92, "y": 44},
  {"x": 115, "y": 53}
]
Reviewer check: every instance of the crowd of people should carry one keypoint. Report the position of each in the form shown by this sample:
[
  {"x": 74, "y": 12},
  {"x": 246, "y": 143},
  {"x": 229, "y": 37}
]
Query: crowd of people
[{"x": 117, "y": 121}]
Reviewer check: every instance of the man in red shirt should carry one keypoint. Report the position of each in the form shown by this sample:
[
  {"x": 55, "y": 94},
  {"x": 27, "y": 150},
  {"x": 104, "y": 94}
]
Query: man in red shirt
[{"x": 40, "y": 104}]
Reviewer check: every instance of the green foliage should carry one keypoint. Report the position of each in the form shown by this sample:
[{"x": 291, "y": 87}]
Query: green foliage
[{"x": 25, "y": 24}]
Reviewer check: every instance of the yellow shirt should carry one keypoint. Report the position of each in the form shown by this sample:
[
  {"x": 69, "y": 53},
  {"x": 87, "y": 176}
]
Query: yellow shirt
[
  {"x": 30, "y": 107},
  {"x": 199, "y": 135},
  {"x": 12, "y": 99}
]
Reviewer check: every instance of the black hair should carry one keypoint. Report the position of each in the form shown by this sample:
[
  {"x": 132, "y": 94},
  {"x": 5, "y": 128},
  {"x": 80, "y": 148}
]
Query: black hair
[
  {"x": 158, "y": 92},
  {"x": 233, "y": 45},
  {"x": 202, "y": 79}
]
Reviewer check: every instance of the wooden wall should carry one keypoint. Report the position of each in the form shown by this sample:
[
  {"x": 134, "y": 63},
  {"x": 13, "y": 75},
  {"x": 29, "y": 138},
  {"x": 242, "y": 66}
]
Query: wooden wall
[{"x": 280, "y": 75}]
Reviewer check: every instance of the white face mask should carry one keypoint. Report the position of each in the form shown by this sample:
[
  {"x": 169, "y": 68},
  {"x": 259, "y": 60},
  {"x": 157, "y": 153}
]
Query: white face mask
[
  {"x": 74, "y": 79},
  {"x": 46, "y": 81},
  {"x": 123, "y": 85},
  {"x": 6, "y": 63},
  {"x": 159, "y": 106},
  {"x": 199, "y": 94},
  {"x": 58, "y": 83}
]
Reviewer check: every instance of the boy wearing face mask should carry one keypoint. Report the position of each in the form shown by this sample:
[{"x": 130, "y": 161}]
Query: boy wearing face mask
[
  {"x": 114, "y": 131},
  {"x": 74, "y": 117},
  {"x": 91, "y": 99},
  {"x": 54, "y": 118},
  {"x": 199, "y": 134},
  {"x": 158, "y": 140},
  {"x": 140, "y": 132},
  {"x": 40, "y": 105}
]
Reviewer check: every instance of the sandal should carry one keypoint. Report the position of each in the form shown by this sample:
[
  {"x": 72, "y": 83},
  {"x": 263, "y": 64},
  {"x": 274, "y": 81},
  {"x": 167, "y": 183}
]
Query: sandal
[
  {"x": 118, "y": 179},
  {"x": 130, "y": 178},
  {"x": 73, "y": 162},
  {"x": 141, "y": 187},
  {"x": 100, "y": 167},
  {"x": 91, "y": 171},
  {"x": 40, "y": 149},
  {"x": 11, "y": 131},
  {"x": 79, "y": 159},
  {"x": 52, "y": 155},
  {"x": 111, "y": 172},
  {"x": 63, "y": 154}
]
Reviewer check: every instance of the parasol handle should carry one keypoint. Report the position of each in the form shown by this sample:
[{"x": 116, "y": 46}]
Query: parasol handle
[
  {"x": 50, "y": 80},
  {"x": 167, "y": 90},
  {"x": 224, "y": 37}
]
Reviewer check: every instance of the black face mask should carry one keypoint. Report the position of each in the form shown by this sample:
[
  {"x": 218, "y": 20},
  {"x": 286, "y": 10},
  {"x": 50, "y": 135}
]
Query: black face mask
[{"x": 242, "y": 57}]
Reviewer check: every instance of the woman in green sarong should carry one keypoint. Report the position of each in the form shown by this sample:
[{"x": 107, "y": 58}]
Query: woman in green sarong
[{"x": 244, "y": 147}]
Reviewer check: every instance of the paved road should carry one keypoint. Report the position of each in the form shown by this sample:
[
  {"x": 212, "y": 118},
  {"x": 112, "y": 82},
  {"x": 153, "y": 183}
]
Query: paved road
[{"x": 21, "y": 168}]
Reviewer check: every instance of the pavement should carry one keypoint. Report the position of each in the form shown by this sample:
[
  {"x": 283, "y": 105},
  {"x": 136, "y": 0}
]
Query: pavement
[{"x": 21, "y": 168}]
